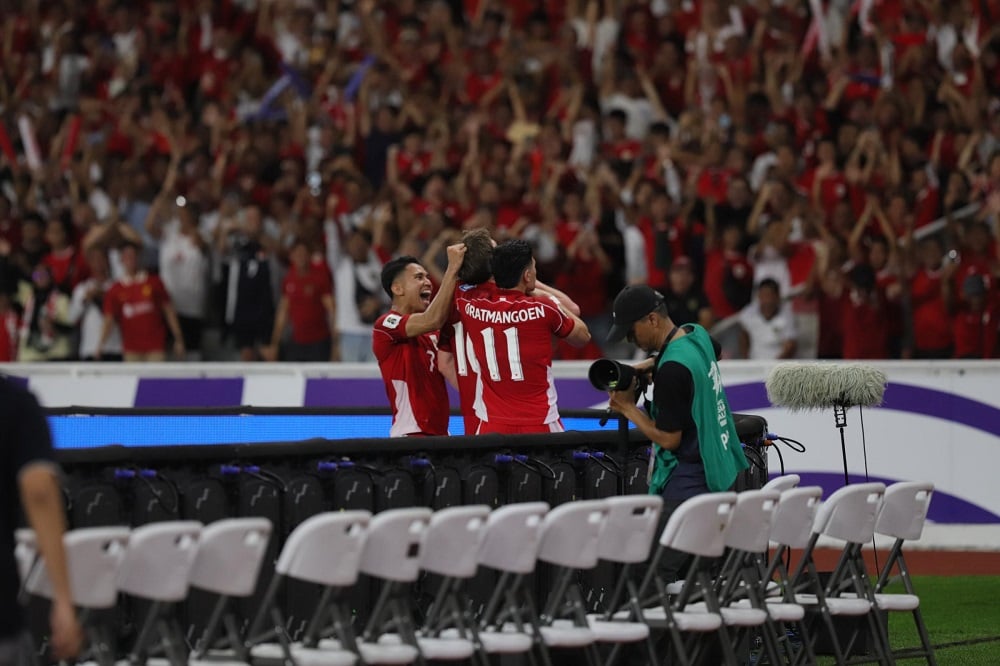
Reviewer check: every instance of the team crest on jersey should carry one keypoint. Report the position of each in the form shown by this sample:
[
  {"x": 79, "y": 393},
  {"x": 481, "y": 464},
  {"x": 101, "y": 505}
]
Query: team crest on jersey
[{"x": 391, "y": 321}]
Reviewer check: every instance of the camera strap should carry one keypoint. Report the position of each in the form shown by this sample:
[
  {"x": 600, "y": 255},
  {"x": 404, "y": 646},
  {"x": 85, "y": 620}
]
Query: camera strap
[{"x": 670, "y": 336}]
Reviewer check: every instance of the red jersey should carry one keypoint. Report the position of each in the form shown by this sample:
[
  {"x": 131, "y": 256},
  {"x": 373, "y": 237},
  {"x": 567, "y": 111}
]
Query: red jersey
[
  {"x": 67, "y": 266},
  {"x": 975, "y": 333},
  {"x": 511, "y": 338},
  {"x": 8, "y": 336},
  {"x": 455, "y": 340},
  {"x": 931, "y": 323},
  {"x": 136, "y": 303},
  {"x": 865, "y": 328},
  {"x": 305, "y": 294},
  {"x": 724, "y": 267},
  {"x": 413, "y": 384}
]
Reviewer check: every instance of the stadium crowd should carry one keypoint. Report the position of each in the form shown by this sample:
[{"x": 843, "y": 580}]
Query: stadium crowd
[{"x": 197, "y": 179}]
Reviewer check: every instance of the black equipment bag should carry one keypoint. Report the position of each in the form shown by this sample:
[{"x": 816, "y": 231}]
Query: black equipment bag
[
  {"x": 93, "y": 502},
  {"x": 352, "y": 487},
  {"x": 304, "y": 498},
  {"x": 261, "y": 494},
  {"x": 560, "y": 486},
  {"x": 442, "y": 487},
  {"x": 600, "y": 477},
  {"x": 155, "y": 498},
  {"x": 752, "y": 431},
  {"x": 636, "y": 471},
  {"x": 481, "y": 483},
  {"x": 204, "y": 495},
  {"x": 396, "y": 488},
  {"x": 521, "y": 481}
]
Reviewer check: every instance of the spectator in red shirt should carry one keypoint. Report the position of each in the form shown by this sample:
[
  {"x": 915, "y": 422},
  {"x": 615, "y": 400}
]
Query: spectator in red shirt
[
  {"x": 864, "y": 324},
  {"x": 9, "y": 323},
  {"x": 930, "y": 295},
  {"x": 307, "y": 304},
  {"x": 66, "y": 264},
  {"x": 975, "y": 325},
  {"x": 139, "y": 304}
]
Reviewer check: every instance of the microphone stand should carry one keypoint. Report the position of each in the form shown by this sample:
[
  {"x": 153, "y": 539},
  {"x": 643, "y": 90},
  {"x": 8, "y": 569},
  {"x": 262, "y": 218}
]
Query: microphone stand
[{"x": 840, "y": 419}]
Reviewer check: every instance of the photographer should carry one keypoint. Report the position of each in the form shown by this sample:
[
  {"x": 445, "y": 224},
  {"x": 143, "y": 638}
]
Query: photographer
[{"x": 696, "y": 448}]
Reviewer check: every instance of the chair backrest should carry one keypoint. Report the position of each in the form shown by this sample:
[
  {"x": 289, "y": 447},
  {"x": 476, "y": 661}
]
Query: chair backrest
[
  {"x": 782, "y": 483},
  {"x": 158, "y": 560},
  {"x": 93, "y": 558},
  {"x": 25, "y": 551},
  {"x": 795, "y": 515},
  {"x": 849, "y": 513},
  {"x": 513, "y": 533},
  {"x": 451, "y": 543},
  {"x": 230, "y": 553},
  {"x": 698, "y": 526},
  {"x": 325, "y": 548},
  {"x": 392, "y": 549},
  {"x": 571, "y": 533},
  {"x": 904, "y": 509},
  {"x": 750, "y": 523},
  {"x": 628, "y": 532}
]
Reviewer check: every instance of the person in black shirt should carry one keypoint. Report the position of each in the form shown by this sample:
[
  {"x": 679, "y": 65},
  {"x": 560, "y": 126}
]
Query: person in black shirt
[{"x": 30, "y": 482}]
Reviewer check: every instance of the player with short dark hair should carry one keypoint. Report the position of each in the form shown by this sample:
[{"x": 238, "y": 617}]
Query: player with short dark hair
[
  {"x": 510, "y": 335},
  {"x": 405, "y": 345}
]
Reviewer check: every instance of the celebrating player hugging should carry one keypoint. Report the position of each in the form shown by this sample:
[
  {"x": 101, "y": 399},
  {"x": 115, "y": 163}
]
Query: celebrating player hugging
[{"x": 495, "y": 347}]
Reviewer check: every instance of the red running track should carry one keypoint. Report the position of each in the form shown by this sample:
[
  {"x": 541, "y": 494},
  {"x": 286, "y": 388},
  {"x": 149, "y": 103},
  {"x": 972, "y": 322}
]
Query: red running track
[{"x": 922, "y": 562}]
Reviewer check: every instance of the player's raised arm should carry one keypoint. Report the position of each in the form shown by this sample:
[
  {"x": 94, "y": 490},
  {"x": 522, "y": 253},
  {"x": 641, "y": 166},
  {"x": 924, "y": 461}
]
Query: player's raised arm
[
  {"x": 567, "y": 303},
  {"x": 580, "y": 335},
  {"x": 436, "y": 314}
]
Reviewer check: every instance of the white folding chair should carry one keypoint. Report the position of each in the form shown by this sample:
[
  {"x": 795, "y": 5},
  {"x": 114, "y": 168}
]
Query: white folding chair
[
  {"x": 626, "y": 539},
  {"x": 93, "y": 558},
  {"x": 325, "y": 550},
  {"x": 782, "y": 483},
  {"x": 848, "y": 515},
  {"x": 791, "y": 527},
  {"x": 451, "y": 550},
  {"x": 741, "y": 586},
  {"x": 570, "y": 541},
  {"x": 904, "y": 510},
  {"x": 509, "y": 623},
  {"x": 697, "y": 527},
  {"x": 229, "y": 558},
  {"x": 157, "y": 567},
  {"x": 392, "y": 555}
]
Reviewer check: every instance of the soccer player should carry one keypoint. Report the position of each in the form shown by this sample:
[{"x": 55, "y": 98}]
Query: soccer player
[
  {"x": 511, "y": 336},
  {"x": 405, "y": 344},
  {"x": 457, "y": 361}
]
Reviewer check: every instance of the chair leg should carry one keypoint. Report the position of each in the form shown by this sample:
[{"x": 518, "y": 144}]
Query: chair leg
[
  {"x": 529, "y": 603},
  {"x": 235, "y": 642},
  {"x": 168, "y": 639},
  {"x": 204, "y": 644},
  {"x": 311, "y": 636},
  {"x": 138, "y": 653},
  {"x": 925, "y": 640}
]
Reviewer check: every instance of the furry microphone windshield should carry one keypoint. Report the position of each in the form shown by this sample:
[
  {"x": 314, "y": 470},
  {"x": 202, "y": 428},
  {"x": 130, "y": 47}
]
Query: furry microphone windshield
[{"x": 804, "y": 386}]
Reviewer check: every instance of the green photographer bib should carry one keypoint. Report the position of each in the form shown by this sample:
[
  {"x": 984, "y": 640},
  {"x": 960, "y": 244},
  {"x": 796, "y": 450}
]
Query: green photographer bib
[{"x": 718, "y": 443}]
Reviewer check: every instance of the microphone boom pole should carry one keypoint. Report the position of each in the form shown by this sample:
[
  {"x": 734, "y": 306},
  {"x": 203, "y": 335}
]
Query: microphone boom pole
[{"x": 813, "y": 386}]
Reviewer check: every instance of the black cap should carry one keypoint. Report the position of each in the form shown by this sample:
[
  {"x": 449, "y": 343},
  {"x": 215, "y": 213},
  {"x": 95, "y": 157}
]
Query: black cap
[{"x": 632, "y": 304}]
